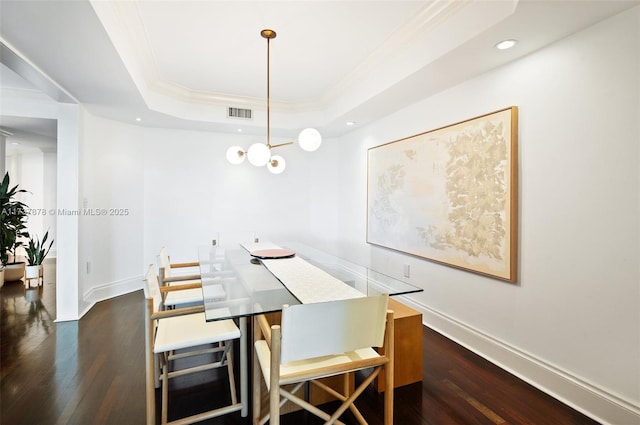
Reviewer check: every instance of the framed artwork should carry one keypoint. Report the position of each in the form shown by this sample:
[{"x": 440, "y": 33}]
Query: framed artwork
[{"x": 450, "y": 195}]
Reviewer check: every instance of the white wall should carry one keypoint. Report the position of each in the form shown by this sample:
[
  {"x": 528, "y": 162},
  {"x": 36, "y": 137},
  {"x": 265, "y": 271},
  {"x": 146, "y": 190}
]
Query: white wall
[
  {"x": 191, "y": 192},
  {"x": 67, "y": 274},
  {"x": 110, "y": 209},
  {"x": 180, "y": 192},
  {"x": 50, "y": 172},
  {"x": 571, "y": 325},
  {"x": 27, "y": 170}
]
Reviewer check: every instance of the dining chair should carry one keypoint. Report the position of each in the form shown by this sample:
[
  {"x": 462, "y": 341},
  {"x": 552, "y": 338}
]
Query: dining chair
[
  {"x": 319, "y": 340},
  {"x": 178, "y": 334},
  {"x": 190, "y": 283},
  {"x": 177, "y": 271}
]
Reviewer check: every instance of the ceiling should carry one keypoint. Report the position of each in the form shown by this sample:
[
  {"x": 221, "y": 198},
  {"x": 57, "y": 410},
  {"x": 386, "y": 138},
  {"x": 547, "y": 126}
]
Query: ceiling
[
  {"x": 181, "y": 64},
  {"x": 24, "y": 133}
]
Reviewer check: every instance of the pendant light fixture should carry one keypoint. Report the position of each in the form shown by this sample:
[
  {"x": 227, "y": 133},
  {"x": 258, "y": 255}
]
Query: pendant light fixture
[{"x": 259, "y": 154}]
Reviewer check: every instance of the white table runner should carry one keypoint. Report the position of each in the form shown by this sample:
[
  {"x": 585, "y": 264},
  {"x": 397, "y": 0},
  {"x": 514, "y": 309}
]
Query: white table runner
[{"x": 308, "y": 283}]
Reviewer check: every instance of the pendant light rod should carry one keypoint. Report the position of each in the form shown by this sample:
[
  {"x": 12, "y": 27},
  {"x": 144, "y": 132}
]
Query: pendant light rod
[
  {"x": 259, "y": 154},
  {"x": 282, "y": 144},
  {"x": 268, "y": 34}
]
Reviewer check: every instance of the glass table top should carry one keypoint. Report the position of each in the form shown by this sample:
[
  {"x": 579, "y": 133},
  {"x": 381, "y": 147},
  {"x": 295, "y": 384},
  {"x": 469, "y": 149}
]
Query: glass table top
[{"x": 236, "y": 284}]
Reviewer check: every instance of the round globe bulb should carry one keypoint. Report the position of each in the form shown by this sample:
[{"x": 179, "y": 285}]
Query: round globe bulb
[
  {"x": 309, "y": 139},
  {"x": 259, "y": 154},
  {"x": 276, "y": 164},
  {"x": 235, "y": 155}
]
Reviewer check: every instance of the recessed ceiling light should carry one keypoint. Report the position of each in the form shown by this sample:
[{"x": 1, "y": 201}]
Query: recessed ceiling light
[
  {"x": 138, "y": 119},
  {"x": 506, "y": 44},
  {"x": 239, "y": 130},
  {"x": 350, "y": 122}
]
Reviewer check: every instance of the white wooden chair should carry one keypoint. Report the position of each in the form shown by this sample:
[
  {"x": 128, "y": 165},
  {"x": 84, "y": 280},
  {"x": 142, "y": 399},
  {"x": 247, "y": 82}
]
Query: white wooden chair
[
  {"x": 190, "y": 283},
  {"x": 319, "y": 340},
  {"x": 179, "y": 333}
]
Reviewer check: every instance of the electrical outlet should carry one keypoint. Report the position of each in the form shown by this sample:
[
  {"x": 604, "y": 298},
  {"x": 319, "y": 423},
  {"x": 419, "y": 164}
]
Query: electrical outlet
[
  {"x": 407, "y": 270},
  {"x": 88, "y": 267}
]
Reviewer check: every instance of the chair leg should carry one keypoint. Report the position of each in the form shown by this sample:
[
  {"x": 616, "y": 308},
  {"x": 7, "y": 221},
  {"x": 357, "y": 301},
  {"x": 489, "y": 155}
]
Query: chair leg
[
  {"x": 274, "y": 405},
  {"x": 156, "y": 370},
  {"x": 347, "y": 402},
  {"x": 346, "y": 390},
  {"x": 388, "y": 369},
  {"x": 165, "y": 388},
  {"x": 274, "y": 377},
  {"x": 389, "y": 339},
  {"x": 291, "y": 397},
  {"x": 388, "y": 394},
  {"x": 150, "y": 366},
  {"x": 232, "y": 380}
]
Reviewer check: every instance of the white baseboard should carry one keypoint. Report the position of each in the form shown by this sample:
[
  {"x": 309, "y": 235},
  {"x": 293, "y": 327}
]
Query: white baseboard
[
  {"x": 110, "y": 290},
  {"x": 586, "y": 398}
]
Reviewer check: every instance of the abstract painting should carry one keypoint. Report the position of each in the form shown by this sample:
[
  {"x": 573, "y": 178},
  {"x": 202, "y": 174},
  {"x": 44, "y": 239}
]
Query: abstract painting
[{"x": 450, "y": 195}]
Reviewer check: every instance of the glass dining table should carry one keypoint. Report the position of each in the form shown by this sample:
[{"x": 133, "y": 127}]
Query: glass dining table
[{"x": 238, "y": 285}]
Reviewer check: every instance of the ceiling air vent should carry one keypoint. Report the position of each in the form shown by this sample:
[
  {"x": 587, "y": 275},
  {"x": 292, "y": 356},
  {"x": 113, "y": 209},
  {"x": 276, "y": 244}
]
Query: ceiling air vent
[{"x": 239, "y": 113}]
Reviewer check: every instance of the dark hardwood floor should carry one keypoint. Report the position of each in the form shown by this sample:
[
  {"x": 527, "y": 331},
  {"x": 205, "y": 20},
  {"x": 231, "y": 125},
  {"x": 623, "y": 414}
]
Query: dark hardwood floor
[{"x": 92, "y": 372}]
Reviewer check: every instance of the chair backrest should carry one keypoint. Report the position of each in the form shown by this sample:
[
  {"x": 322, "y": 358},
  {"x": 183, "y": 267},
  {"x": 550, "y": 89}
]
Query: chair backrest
[
  {"x": 320, "y": 329},
  {"x": 153, "y": 288},
  {"x": 164, "y": 261}
]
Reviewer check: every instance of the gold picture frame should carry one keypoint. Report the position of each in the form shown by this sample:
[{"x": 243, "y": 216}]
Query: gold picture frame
[{"x": 450, "y": 195}]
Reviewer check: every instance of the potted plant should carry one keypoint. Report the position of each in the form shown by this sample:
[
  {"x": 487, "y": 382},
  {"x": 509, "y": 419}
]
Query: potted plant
[
  {"x": 36, "y": 252},
  {"x": 13, "y": 216}
]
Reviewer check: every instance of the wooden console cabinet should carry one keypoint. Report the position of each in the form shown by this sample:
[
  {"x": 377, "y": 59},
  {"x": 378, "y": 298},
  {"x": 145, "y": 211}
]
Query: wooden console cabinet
[{"x": 408, "y": 346}]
